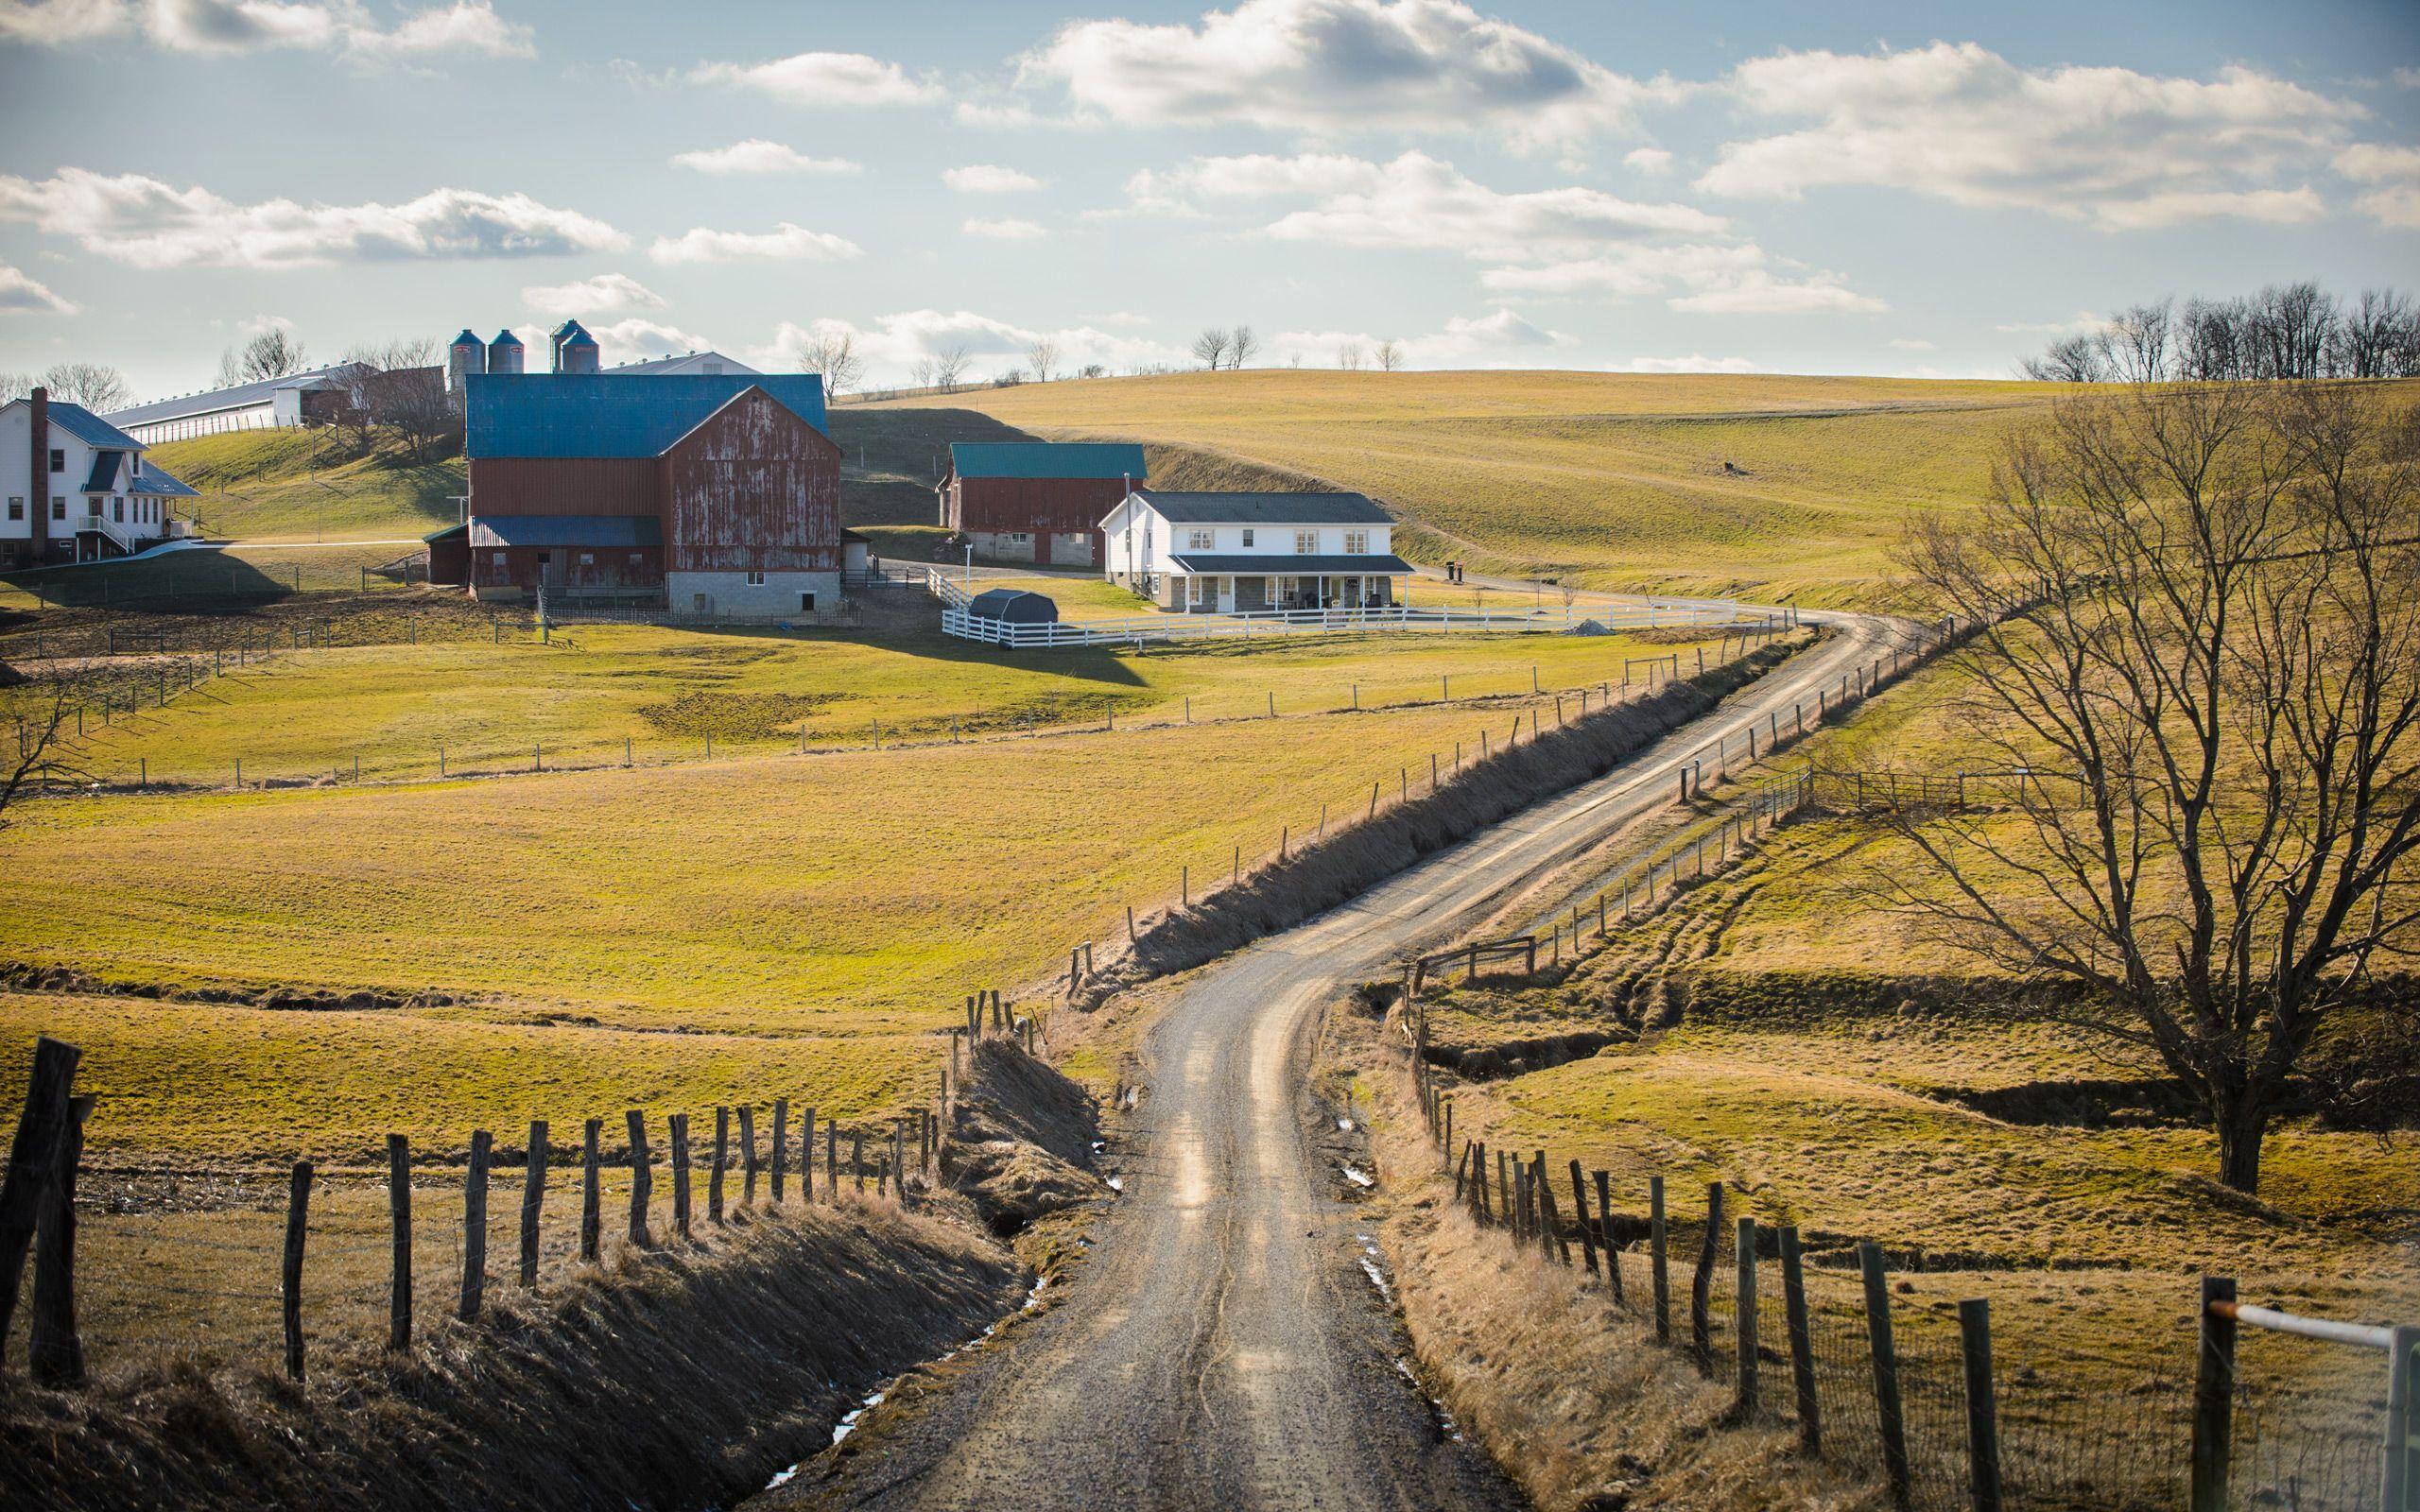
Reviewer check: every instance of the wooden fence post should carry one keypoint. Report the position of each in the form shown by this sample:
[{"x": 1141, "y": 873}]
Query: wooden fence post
[
  {"x": 1551, "y": 1227},
  {"x": 679, "y": 1124},
  {"x": 1657, "y": 1235},
  {"x": 474, "y": 1224},
  {"x": 1579, "y": 1217},
  {"x": 722, "y": 1157},
  {"x": 747, "y": 1154},
  {"x": 1802, "y": 1343},
  {"x": 398, "y": 1211},
  {"x": 1605, "y": 1233},
  {"x": 807, "y": 1155},
  {"x": 297, "y": 1220},
  {"x": 32, "y": 1157},
  {"x": 1701, "y": 1280},
  {"x": 2214, "y": 1399},
  {"x": 858, "y": 1158},
  {"x": 1745, "y": 1317},
  {"x": 642, "y": 1177},
  {"x": 1889, "y": 1414},
  {"x": 832, "y": 1157},
  {"x": 590, "y": 1188},
  {"x": 1982, "y": 1419},
  {"x": 781, "y": 1144},
  {"x": 54, "y": 1350},
  {"x": 534, "y": 1199}
]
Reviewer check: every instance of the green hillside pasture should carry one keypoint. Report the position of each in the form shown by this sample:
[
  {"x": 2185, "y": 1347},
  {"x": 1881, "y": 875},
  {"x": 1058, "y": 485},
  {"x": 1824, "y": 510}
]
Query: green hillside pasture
[{"x": 310, "y": 484}]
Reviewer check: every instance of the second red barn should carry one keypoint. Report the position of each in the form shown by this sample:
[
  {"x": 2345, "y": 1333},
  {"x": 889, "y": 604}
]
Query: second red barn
[{"x": 1036, "y": 501}]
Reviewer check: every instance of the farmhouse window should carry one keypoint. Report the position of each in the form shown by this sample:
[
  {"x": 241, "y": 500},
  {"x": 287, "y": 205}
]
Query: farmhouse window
[
  {"x": 1201, "y": 540},
  {"x": 118, "y": 510},
  {"x": 59, "y": 507},
  {"x": 755, "y": 580},
  {"x": 1306, "y": 543},
  {"x": 1247, "y": 539},
  {"x": 16, "y": 507},
  {"x": 57, "y": 460},
  {"x": 1356, "y": 543}
]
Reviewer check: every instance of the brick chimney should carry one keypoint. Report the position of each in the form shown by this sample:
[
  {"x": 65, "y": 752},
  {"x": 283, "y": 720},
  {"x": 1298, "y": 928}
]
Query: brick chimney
[{"x": 38, "y": 484}]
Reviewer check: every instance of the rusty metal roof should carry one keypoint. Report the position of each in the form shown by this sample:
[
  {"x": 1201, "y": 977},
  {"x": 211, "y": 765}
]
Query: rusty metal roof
[{"x": 615, "y": 414}]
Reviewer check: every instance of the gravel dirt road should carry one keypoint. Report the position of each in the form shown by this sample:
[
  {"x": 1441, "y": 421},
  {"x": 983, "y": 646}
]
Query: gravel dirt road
[{"x": 1226, "y": 1348}]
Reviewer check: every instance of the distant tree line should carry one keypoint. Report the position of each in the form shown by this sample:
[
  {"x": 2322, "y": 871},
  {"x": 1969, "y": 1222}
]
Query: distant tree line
[{"x": 2287, "y": 331}]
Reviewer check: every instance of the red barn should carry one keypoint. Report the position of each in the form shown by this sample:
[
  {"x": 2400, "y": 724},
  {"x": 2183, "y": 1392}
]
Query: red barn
[
  {"x": 1037, "y": 501},
  {"x": 719, "y": 493}
]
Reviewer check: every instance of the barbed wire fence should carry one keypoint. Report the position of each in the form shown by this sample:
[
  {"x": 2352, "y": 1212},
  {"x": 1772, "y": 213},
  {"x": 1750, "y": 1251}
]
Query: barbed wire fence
[{"x": 1943, "y": 1412}]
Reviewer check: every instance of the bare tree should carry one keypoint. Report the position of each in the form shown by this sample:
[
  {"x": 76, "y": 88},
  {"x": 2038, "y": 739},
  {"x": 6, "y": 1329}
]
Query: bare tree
[
  {"x": 1350, "y": 356},
  {"x": 2133, "y": 347},
  {"x": 949, "y": 366},
  {"x": 2201, "y": 643},
  {"x": 15, "y": 386},
  {"x": 1044, "y": 358},
  {"x": 2073, "y": 360},
  {"x": 1242, "y": 346},
  {"x": 1092, "y": 369},
  {"x": 1210, "y": 347},
  {"x": 39, "y": 716},
  {"x": 273, "y": 354},
  {"x": 833, "y": 353},
  {"x": 1389, "y": 355},
  {"x": 2378, "y": 336},
  {"x": 96, "y": 385}
]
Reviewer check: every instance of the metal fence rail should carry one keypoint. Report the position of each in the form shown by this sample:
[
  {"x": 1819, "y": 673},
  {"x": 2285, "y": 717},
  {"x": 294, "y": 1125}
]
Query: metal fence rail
[{"x": 1178, "y": 626}]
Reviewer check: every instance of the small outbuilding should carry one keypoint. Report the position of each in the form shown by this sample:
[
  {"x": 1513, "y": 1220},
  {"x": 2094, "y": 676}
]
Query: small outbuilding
[
  {"x": 449, "y": 556},
  {"x": 1012, "y": 605}
]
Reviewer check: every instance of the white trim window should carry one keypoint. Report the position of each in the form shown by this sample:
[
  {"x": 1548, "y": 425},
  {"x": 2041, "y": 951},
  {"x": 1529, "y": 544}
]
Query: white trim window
[
  {"x": 1357, "y": 542},
  {"x": 1247, "y": 538},
  {"x": 756, "y": 579},
  {"x": 1306, "y": 543},
  {"x": 1201, "y": 540}
]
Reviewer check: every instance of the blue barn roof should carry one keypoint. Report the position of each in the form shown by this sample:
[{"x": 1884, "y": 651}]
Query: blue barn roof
[
  {"x": 619, "y": 415},
  {"x": 566, "y": 530},
  {"x": 1047, "y": 459}
]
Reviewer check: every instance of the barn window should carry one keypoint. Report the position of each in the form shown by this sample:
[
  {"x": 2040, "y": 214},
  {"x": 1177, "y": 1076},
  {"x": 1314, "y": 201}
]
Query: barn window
[
  {"x": 588, "y": 558},
  {"x": 1306, "y": 543},
  {"x": 634, "y": 559},
  {"x": 1356, "y": 541},
  {"x": 1201, "y": 540},
  {"x": 755, "y": 580},
  {"x": 496, "y": 558},
  {"x": 1020, "y": 538},
  {"x": 806, "y": 603}
]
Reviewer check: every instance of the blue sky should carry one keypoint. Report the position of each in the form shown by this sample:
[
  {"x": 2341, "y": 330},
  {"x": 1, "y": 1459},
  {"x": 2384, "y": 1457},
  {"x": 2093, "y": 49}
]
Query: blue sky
[{"x": 1844, "y": 188}]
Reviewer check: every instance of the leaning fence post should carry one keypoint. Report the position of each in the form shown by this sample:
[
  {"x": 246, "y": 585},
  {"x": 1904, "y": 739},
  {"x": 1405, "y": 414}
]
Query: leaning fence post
[
  {"x": 2214, "y": 1397},
  {"x": 1658, "y": 1236},
  {"x": 1982, "y": 1420},
  {"x": 1746, "y": 1320},
  {"x": 748, "y": 1155},
  {"x": 398, "y": 1211},
  {"x": 590, "y": 1188},
  {"x": 474, "y": 1224},
  {"x": 1802, "y": 1343},
  {"x": 722, "y": 1154},
  {"x": 298, "y": 1216},
  {"x": 642, "y": 1177},
  {"x": 40, "y": 1127},
  {"x": 1580, "y": 1215},
  {"x": 807, "y": 1155},
  {"x": 1889, "y": 1415},
  {"x": 1701, "y": 1280},
  {"x": 781, "y": 1144},
  {"x": 680, "y": 1126},
  {"x": 54, "y": 1350}
]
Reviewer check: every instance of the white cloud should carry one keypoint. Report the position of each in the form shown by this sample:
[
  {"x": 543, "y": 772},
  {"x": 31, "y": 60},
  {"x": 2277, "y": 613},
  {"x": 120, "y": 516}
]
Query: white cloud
[
  {"x": 228, "y": 27},
  {"x": 637, "y": 338},
  {"x": 895, "y": 342},
  {"x": 1911, "y": 344},
  {"x": 131, "y": 218},
  {"x": 989, "y": 179},
  {"x": 1335, "y": 67},
  {"x": 59, "y": 23},
  {"x": 1758, "y": 292},
  {"x": 1694, "y": 362},
  {"x": 261, "y": 323},
  {"x": 851, "y": 79},
  {"x": 702, "y": 244},
  {"x": 2408, "y": 78},
  {"x": 1501, "y": 339},
  {"x": 2076, "y": 324},
  {"x": 756, "y": 155},
  {"x": 1648, "y": 160},
  {"x": 1703, "y": 278},
  {"x": 2396, "y": 171},
  {"x": 466, "y": 27},
  {"x": 1418, "y": 201},
  {"x": 1005, "y": 231},
  {"x": 598, "y": 294},
  {"x": 21, "y": 295},
  {"x": 2121, "y": 150}
]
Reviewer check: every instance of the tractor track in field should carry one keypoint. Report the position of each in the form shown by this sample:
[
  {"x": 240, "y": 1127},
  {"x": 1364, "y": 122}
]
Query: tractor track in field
[{"x": 1224, "y": 1348}]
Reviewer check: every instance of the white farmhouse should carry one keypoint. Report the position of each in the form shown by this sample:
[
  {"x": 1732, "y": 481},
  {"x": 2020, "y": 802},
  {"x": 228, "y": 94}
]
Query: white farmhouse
[
  {"x": 1235, "y": 552},
  {"x": 77, "y": 488}
]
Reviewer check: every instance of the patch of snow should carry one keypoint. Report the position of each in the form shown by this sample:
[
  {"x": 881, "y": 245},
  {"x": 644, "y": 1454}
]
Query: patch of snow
[
  {"x": 1117, "y": 1184},
  {"x": 1377, "y": 1278},
  {"x": 1344, "y": 1126},
  {"x": 1358, "y": 1179}
]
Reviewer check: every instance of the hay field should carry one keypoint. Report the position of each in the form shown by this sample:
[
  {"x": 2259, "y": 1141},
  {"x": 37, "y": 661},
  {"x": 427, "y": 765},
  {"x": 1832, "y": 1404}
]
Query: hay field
[
  {"x": 1619, "y": 479},
  {"x": 308, "y": 716}
]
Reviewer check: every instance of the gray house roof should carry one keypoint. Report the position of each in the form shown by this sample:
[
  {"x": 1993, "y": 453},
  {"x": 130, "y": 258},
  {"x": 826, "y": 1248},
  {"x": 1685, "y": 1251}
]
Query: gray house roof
[
  {"x": 1277, "y": 564},
  {"x": 1266, "y": 508}
]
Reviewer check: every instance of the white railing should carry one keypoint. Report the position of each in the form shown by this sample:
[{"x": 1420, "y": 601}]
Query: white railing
[
  {"x": 1181, "y": 626},
  {"x": 101, "y": 524}
]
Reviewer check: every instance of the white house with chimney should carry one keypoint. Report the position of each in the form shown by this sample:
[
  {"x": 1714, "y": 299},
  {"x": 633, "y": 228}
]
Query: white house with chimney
[
  {"x": 1236, "y": 553},
  {"x": 78, "y": 489}
]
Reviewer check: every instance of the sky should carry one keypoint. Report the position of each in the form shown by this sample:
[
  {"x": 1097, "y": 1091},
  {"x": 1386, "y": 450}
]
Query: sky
[{"x": 1928, "y": 190}]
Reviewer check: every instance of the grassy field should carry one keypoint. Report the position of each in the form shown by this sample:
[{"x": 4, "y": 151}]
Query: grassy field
[
  {"x": 1780, "y": 486},
  {"x": 311, "y": 715},
  {"x": 311, "y": 484}
]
